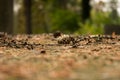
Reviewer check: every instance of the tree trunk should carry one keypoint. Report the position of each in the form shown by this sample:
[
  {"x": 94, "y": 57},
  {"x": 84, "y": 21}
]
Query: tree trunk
[
  {"x": 6, "y": 16},
  {"x": 86, "y": 8},
  {"x": 28, "y": 23}
]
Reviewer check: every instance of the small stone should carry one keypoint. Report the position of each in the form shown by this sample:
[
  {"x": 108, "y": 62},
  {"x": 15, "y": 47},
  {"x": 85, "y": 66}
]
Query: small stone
[
  {"x": 43, "y": 52},
  {"x": 57, "y": 34}
]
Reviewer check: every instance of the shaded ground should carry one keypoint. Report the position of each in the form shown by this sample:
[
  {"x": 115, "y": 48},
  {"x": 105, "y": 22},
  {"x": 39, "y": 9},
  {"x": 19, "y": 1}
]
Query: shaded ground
[{"x": 68, "y": 57}]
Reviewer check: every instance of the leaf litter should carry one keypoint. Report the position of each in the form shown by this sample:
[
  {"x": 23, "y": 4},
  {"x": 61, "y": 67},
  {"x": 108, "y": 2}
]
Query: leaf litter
[{"x": 59, "y": 56}]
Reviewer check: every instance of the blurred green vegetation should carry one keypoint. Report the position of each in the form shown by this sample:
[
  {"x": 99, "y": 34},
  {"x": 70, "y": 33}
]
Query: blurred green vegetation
[
  {"x": 95, "y": 24},
  {"x": 64, "y": 20},
  {"x": 47, "y": 17}
]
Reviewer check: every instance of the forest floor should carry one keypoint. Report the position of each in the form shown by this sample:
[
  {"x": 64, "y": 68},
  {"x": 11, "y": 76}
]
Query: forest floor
[{"x": 59, "y": 57}]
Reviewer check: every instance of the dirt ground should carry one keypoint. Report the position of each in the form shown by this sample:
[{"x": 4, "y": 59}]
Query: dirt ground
[{"x": 59, "y": 57}]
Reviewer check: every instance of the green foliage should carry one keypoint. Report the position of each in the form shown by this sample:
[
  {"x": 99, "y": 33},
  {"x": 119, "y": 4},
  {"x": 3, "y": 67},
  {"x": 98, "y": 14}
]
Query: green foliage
[
  {"x": 65, "y": 21},
  {"x": 95, "y": 24},
  {"x": 47, "y": 16},
  {"x": 100, "y": 17},
  {"x": 89, "y": 28}
]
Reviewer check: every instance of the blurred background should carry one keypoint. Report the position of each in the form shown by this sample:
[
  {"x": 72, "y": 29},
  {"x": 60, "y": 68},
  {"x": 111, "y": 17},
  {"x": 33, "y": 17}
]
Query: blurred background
[{"x": 67, "y": 16}]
